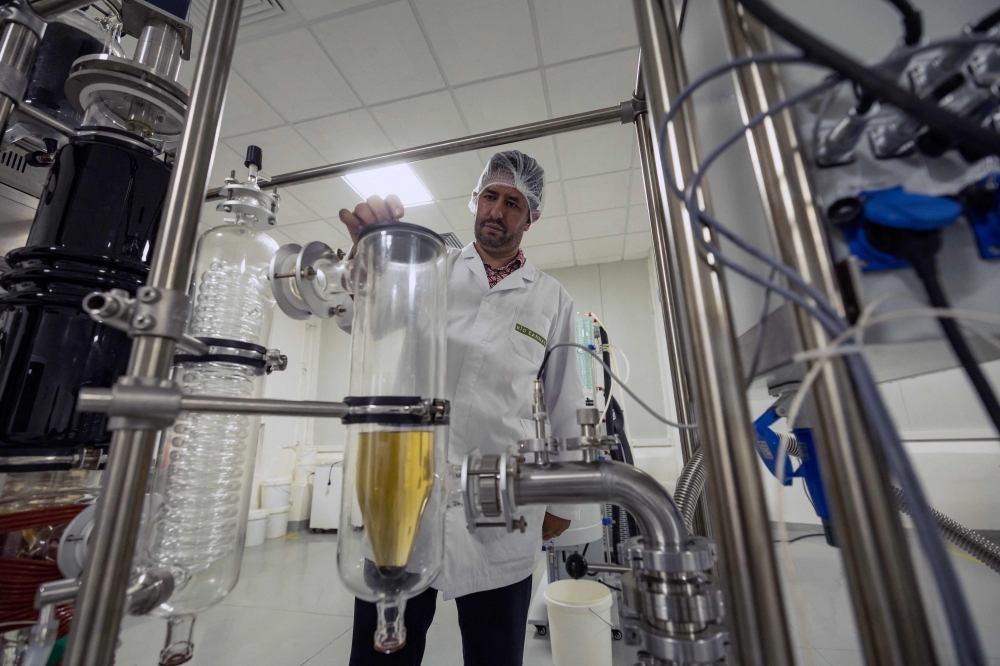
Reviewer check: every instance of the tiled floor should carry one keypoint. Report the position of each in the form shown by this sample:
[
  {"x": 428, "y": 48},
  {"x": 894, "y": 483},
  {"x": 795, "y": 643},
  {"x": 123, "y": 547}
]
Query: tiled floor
[{"x": 290, "y": 609}]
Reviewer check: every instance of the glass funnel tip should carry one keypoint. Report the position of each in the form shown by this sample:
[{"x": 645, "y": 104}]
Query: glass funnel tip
[
  {"x": 391, "y": 633},
  {"x": 179, "y": 647}
]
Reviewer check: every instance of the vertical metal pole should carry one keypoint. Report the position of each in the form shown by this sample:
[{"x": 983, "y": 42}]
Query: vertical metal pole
[
  {"x": 17, "y": 52},
  {"x": 887, "y": 604},
  {"x": 672, "y": 322},
  {"x": 101, "y": 601},
  {"x": 754, "y": 604}
]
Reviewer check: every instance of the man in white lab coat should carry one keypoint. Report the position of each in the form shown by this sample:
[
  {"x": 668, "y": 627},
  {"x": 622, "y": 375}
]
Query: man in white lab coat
[{"x": 503, "y": 314}]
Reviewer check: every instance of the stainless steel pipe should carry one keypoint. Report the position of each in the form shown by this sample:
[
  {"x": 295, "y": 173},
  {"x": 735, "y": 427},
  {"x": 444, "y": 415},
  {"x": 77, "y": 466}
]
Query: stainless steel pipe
[
  {"x": 101, "y": 602},
  {"x": 659, "y": 520},
  {"x": 884, "y": 588},
  {"x": 17, "y": 52},
  {"x": 577, "y": 121},
  {"x": 673, "y": 323},
  {"x": 49, "y": 9},
  {"x": 755, "y": 607}
]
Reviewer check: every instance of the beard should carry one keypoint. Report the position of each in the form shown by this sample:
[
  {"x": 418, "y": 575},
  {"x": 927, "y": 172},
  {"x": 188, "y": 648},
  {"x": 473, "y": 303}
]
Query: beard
[{"x": 506, "y": 240}]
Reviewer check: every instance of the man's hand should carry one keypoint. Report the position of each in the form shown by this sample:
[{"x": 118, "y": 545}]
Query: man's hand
[
  {"x": 553, "y": 526},
  {"x": 374, "y": 210}
]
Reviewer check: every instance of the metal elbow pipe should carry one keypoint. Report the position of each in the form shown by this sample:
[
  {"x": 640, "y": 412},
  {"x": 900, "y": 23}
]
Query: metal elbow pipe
[{"x": 605, "y": 481}]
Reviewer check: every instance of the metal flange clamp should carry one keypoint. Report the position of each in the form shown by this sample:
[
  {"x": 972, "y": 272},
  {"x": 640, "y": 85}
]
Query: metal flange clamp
[
  {"x": 154, "y": 312},
  {"x": 705, "y": 647},
  {"x": 488, "y": 491}
]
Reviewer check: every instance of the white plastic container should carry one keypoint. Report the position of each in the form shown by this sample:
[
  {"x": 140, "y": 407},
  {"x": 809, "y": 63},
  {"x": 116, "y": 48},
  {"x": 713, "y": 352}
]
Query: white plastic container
[
  {"x": 277, "y": 522},
  {"x": 256, "y": 527},
  {"x": 579, "y": 622},
  {"x": 275, "y": 493}
]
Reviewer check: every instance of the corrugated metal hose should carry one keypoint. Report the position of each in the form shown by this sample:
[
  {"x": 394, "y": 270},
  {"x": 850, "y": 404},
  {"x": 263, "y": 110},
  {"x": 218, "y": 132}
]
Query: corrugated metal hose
[{"x": 691, "y": 483}]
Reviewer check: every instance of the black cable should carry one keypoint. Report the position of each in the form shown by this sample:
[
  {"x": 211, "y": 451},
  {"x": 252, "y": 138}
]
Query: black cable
[
  {"x": 913, "y": 24},
  {"x": 986, "y": 22},
  {"x": 799, "y": 538},
  {"x": 926, "y": 270},
  {"x": 963, "y": 131},
  {"x": 682, "y": 16}
]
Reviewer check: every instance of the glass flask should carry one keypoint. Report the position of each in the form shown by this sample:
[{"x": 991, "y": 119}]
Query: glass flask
[
  {"x": 202, "y": 485},
  {"x": 391, "y": 542}
]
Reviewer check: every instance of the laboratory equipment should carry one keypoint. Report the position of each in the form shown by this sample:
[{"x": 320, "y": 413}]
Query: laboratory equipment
[{"x": 202, "y": 486}]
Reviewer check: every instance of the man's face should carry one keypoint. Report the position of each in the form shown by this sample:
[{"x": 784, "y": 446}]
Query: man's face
[{"x": 502, "y": 218}]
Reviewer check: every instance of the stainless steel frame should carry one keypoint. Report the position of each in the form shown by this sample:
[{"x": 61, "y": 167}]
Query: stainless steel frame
[
  {"x": 755, "y": 606},
  {"x": 101, "y": 602},
  {"x": 893, "y": 626}
]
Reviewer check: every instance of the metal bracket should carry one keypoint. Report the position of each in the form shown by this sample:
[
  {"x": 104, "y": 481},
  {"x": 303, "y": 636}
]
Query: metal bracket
[
  {"x": 155, "y": 312},
  {"x": 137, "y": 13},
  {"x": 631, "y": 110},
  {"x": 21, "y": 12},
  {"x": 143, "y": 403},
  {"x": 275, "y": 361}
]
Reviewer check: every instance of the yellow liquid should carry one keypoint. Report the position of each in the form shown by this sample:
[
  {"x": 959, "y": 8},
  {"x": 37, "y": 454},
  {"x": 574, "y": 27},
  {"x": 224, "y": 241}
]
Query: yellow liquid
[{"x": 395, "y": 476}]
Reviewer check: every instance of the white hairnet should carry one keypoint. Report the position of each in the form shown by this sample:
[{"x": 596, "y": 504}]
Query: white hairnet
[{"x": 514, "y": 169}]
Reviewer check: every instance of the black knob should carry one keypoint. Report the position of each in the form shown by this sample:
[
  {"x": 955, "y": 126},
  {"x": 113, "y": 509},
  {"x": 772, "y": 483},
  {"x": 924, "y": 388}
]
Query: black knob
[
  {"x": 255, "y": 156},
  {"x": 576, "y": 566}
]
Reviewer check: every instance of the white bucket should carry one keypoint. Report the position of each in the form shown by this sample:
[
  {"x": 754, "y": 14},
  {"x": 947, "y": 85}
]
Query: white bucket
[
  {"x": 256, "y": 527},
  {"x": 275, "y": 493},
  {"x": 277, "y": 522},
  {"x": 579, "y": 622}
]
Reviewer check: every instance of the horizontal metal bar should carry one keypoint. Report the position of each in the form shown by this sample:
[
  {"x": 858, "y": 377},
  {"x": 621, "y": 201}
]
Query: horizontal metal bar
[
  {"x": 607, "y": 568},
  {"x": 607, "y": 116},
  {"x": 45, "y": 119},
  {"x": 101, "y": 401}
]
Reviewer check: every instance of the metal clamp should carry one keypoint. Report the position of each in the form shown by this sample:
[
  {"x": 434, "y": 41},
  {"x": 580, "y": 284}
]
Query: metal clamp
[
  {"x": 707, "y": 646},
  {"x": 156, "y": 312},
  {"x": 275, "y": 361},
  {"x": 21, "y": 12},
  {"x": 143, "y": 403},
  {"x": 488, "y": 491},
  {"x": 692, "y": 599},
  {"x": 697, "y": 555},
  {"x": 631, "y": 109}
]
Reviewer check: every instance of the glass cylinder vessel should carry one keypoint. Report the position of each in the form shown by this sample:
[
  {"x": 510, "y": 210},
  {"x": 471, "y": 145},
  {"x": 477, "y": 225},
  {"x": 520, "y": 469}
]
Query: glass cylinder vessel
[
  {"x": 391, "y": 542},
  {"x": 202, "y": 485}
]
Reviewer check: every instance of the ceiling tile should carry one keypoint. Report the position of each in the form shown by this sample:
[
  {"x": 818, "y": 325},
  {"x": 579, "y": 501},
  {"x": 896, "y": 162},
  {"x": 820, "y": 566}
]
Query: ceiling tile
[
  {"x": 555, "y": 205},
  {"x": 593, "y": 83},
  {"x": 638, "y": 219},
  {"x": 598, "y": 250},
  {"x": 345, "y": 136},
  {"x": 311, "y": 9},
  {"x": 317, "y": 231},
  {"x": 500, "y": 103},
  {"x": 451, "y": 176},
  {"x": 543, "y": 256},
  {"x": 637, "y": 192},
  {"x": 293, "y": 211},
  {"x": 638, "y": 245},
  {"x": 294, "y": 75},
  {"x": 543, "y": 150},
  {"x": 457, "y": 212},
  {"x": 284, "y": 150},
  {"x": 609, "y": 190},
  {"x": 458, "y": 30},
  {"x": 595, "y": 150},
  {"x": 419, "y": 120},
  {"x": 326, "y": 197},
  {"x": 428, "y": 215},
  {"x": 246, "y": 111},
  {"x": 226, "y": 159},
  {"x": 208, "y": 217},
  {"x": 576, "y": 28},
  {"x": 382, "y": 52},
  {"x": 546, "y": 231},
  {"x": 598, "y": 223}
]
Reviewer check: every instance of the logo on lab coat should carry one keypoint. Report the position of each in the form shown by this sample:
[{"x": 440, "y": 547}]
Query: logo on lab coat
[{"x": 530, "y": 333}]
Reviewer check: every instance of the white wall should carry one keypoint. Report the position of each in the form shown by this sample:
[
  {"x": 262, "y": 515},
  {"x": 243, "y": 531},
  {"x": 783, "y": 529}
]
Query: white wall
[{"x": 620, "y": 295}]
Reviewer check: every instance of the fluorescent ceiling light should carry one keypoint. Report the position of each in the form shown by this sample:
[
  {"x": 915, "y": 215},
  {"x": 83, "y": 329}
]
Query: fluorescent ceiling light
[{"x": 399, "y": 180}]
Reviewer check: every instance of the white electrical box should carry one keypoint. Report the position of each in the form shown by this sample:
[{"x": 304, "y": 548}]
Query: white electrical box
[{"x": 327, "y": 482}]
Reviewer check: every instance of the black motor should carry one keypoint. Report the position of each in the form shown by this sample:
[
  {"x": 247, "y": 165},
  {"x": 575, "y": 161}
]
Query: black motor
[{"x": 94, "y": 230}]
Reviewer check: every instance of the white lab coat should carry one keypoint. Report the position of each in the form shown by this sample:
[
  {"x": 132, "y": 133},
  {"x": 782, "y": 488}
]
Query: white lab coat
[{"x": 490, "y": 369}]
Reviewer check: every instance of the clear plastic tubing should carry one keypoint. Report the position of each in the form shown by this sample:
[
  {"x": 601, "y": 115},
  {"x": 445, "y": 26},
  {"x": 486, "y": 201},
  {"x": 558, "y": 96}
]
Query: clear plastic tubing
[
  {"x": 201, "y": 489},
  {"x": 394, "y": 492}
]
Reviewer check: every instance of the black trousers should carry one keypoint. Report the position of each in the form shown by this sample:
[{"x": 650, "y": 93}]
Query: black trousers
[{"x": 493, "y": 625}]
